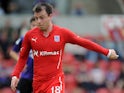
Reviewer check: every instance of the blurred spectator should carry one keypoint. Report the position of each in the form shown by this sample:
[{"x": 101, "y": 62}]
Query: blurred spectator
[
  {"x": 112, "y": 74},
  {"x": 116, "y": 88},
  {"x": 23, "y": 28},
  {"x": 6, "y": 67},
  {"x": 97, "y": 75},
  {"x": 92, "y": 56},
  {"x": 82, "y": 78},
  {"x": 8, "y": 28},
  {"x": 78, "y": 9},
  {"x": 4, "y": 5},
  {"x": 6, "y": 90},
  {"x": 121, "y": 76},
  {"x": 102, "y": 90},
  {"x": 4, "y": 43},
  {"x": 116, "y": 35},
  {"x": 1, "y": 10},
  {"x": 97, "y": 78},
  {"x": 122, "y": 29},
  {"x": 123, "y": 1},
  {"x": 6, "y": 37},
  {"x": 13, "y": 8}
]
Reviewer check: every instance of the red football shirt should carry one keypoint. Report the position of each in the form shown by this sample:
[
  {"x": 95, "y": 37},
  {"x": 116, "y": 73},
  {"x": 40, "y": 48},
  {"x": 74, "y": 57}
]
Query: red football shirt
[{"x": 48, "y": 51}]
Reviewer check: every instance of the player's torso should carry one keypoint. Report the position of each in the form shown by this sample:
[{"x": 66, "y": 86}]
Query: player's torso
[
  {"x": 46, "y": 46},
  {"x": 47, "y": 52}
]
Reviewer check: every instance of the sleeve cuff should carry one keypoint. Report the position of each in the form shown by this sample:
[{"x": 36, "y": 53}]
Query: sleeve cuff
[
  {"x": 109, "y": 53},
  {"x": 14, "y": 77}
]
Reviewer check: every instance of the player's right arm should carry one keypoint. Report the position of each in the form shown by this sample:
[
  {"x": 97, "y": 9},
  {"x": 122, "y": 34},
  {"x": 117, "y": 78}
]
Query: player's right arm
[{"x": 24, "y": 52}]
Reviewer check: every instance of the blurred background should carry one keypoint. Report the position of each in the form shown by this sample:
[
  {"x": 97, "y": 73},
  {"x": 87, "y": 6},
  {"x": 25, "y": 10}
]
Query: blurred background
[{"x": 101, "y": 21}]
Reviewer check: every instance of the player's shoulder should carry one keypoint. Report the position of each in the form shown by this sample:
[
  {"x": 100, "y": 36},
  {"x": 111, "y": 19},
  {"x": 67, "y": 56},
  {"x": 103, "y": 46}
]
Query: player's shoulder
[
  {"x": 56, "y": 27},
  {"x": 60, "y": 28},
  {"x": 33, "y": 30}
]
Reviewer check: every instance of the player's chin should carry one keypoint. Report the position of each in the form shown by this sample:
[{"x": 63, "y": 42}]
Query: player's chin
[{"x": 43, "y": 28}]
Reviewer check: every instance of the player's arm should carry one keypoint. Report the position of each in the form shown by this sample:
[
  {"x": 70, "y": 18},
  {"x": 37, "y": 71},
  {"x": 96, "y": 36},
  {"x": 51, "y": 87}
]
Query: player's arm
[
  {"x": 24, "y": 52},
  {"x": 73, "y": 38},
  {"x": 13, "y": 55},
  {"x": 15, "y": 50}
]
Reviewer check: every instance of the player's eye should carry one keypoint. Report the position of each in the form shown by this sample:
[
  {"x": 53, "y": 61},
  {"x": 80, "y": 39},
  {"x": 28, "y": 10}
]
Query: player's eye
[
  {"x": 41, "y": 17},
  {"x": 36, "y": 18}
]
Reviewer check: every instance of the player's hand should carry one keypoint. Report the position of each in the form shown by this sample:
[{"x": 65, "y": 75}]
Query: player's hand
[
  {"x": 112, "y": 54},
  {"x": 14, "y": 83}
]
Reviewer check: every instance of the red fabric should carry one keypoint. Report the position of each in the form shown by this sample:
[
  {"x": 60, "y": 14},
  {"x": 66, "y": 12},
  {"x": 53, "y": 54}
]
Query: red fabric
[
  {"x": 54, "y": 85},
  {"x": 48, "y": 51},
  {"x": 70, "y": 83},
  {"x": 114, "y": 32}
]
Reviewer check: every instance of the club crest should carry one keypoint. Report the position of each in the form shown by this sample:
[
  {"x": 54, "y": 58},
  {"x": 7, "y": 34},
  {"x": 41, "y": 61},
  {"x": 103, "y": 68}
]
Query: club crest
[{"x": 57, "y": 38}]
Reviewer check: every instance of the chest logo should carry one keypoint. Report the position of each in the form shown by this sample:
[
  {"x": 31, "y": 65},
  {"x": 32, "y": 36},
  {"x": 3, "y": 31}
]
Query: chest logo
[
  {"x": 34, "y": 39},
  {"x": 57, "y": 38}
]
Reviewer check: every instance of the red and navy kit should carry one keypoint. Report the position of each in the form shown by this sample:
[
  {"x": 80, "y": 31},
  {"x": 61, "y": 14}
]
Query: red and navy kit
[
  {"x": 25, "y": 82},
  {"x": 48, "y": 52},
  {"x": 28, "y": 72}
]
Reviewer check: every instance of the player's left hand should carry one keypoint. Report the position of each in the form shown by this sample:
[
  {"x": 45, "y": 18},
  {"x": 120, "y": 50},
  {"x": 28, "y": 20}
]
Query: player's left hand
[{"x": 112, "y": 54}]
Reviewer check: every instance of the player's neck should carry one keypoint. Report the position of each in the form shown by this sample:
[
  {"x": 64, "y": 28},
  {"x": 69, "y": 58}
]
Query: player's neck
[{"x": 47, "y": 32}]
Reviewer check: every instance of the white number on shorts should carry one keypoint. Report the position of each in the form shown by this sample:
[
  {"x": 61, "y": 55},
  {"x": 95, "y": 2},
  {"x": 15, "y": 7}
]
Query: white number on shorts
[{"x": 56, "y": 89}]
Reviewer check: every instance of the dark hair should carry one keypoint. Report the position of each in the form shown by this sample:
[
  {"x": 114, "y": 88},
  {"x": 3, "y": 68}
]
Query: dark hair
[
  {"x": 40, "y": 6},
  {"x": 51, "y": 2},
  {"x": 32, "y": 19}
]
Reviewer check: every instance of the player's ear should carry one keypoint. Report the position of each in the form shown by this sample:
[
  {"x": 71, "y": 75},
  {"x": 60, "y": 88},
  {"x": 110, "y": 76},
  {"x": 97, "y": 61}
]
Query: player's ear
[{"x": 51, "y": 15}]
